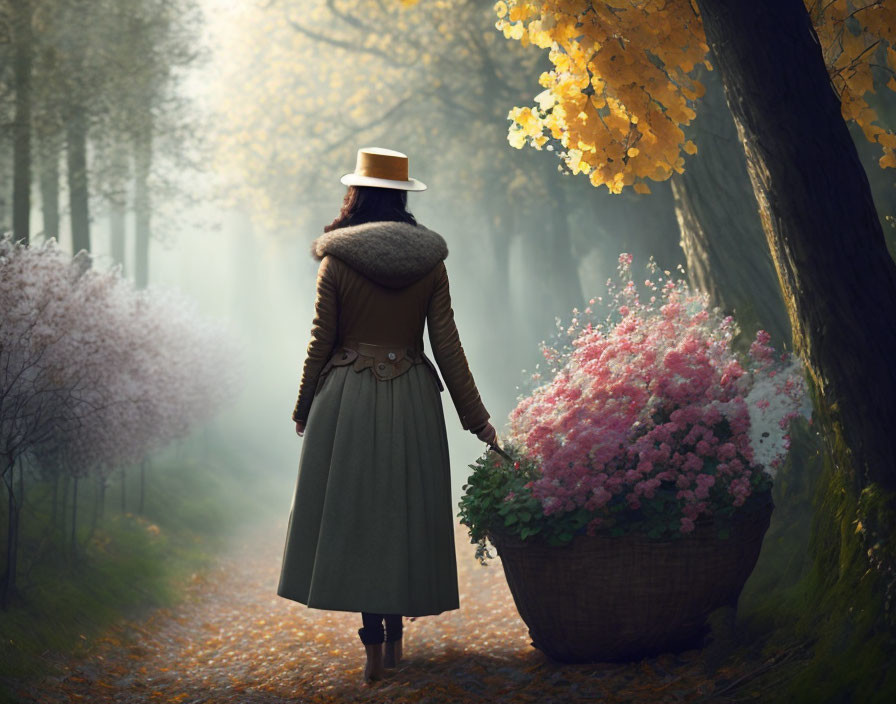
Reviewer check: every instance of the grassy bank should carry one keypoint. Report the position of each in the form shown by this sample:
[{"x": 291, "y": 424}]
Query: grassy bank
[
  {"x": 196, "y": 496},
  {"x": 814, "y": 589}
]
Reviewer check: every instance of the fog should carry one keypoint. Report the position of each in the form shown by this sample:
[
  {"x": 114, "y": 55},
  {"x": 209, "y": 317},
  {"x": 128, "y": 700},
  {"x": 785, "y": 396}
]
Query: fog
[
  {"x": 275, "y": 105},
  {"x": 251, "y": 266}
]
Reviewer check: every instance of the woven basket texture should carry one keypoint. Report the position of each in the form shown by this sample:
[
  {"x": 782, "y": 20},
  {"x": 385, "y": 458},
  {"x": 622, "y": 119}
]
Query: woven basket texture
[{"x": 613, "y": 599}]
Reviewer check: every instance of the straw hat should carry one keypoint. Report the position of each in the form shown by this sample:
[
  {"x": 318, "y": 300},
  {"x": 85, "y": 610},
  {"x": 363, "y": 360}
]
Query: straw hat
[{"x": 382, "y": 168}]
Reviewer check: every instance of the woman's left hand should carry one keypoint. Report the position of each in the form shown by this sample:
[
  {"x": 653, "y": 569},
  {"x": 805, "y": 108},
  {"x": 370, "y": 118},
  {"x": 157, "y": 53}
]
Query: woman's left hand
[{"x": 300, "y": 428}]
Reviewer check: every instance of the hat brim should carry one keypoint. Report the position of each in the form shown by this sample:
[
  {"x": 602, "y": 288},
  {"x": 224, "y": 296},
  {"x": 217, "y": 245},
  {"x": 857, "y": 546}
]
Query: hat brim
[{"x": 409, "y": 185}]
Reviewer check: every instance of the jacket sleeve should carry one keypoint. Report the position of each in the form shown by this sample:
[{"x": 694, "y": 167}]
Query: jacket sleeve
[
  {"x": 449, "y": 354},
  {"x": 324, "y": 330}
]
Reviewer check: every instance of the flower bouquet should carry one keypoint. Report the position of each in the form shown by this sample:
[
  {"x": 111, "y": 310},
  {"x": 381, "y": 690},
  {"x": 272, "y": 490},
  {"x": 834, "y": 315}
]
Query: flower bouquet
[{"x": 650, "y": 451}]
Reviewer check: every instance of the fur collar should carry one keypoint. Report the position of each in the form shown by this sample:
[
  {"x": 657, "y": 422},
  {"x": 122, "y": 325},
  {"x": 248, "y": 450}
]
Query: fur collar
[{"x": 391, "y": 253}]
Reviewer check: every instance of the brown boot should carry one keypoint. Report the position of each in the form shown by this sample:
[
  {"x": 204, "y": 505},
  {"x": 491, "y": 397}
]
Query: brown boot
[
  {"x": 392, "y": 655},
  {"x": 374, "y": 669}
]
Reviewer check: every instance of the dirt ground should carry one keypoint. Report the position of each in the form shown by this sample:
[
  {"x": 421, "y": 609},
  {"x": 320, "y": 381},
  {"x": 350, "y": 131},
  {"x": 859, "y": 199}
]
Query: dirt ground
[{"x": 233, "y": 639}]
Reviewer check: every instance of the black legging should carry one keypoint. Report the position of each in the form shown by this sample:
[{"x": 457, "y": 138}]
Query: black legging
[{"x": 373, "y": 631}]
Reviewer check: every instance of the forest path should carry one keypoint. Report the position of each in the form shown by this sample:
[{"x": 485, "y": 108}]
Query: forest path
[{"x": 233, "y": 640}]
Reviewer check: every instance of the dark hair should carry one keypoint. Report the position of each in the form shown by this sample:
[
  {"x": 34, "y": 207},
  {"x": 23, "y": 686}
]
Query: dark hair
[{"x": 370, "y": 204}]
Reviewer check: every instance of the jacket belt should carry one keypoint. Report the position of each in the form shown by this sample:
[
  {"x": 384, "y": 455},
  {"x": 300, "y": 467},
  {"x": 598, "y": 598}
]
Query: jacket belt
[{"x": 386, "y": 361}]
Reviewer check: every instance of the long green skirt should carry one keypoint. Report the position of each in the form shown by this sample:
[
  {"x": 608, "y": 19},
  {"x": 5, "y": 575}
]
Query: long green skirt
[{"x": 371, "y": 527}]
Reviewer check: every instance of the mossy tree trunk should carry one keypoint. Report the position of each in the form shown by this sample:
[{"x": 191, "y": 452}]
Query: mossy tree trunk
[
  {"x": 839, "y": 283},
  {"x": 819, "y": 219}
]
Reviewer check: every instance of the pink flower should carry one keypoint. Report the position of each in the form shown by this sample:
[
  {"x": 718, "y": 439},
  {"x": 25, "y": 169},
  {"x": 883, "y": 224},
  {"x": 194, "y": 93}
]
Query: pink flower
[
  {"x": 655, "y": 397},
  {"x": 726, "y": 451}
]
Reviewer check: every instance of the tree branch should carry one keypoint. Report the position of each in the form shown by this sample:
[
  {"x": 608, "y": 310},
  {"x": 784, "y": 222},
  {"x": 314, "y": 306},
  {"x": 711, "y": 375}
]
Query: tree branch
[{"x": 343, "y": 44}]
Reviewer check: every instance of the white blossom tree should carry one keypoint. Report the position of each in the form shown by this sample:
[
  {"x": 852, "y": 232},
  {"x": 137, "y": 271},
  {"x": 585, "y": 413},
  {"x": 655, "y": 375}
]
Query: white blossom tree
[{"x": 95, "y": 374}]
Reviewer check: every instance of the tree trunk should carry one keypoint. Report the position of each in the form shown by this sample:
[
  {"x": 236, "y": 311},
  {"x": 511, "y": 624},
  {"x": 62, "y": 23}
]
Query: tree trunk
[
  {"x": 66, "y": 480},
  {"x": 21, "y": 502},
  {"x": 142, "y": 206},
  {"x": 74, "y": 515},
  {"x": 551, "y": 271},
  {"x": 558, "y": 249},
  {"x": 837, "y": 277},
  {"x": 9, "y": 576},
  {"x": 721, "y": 233},
  {"x": 502, "y": 229},
  {"x": 124, "y": 493},
  {"x": 79, "y": 194},
  {"x": 97, "y": 509},
  {"x": 500, "y": 234},
  {"x": 117, "y": 235},
  {"x": 49, "y": 186},
  {"x": 23, "y": 51},
  {"x": 142, "y": 485},
  {"x": 118, "y": 207},
  {"x": 839, "y": 284},
  {"x": 55, "y": 503}
]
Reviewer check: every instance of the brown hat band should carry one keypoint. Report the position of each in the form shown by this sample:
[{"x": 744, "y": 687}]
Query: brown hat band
[{"x": 394, "y": 168}]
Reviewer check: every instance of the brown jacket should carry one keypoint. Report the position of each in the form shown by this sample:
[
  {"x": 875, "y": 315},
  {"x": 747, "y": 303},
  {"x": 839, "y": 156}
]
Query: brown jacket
[{"x": 378, "y": 283}]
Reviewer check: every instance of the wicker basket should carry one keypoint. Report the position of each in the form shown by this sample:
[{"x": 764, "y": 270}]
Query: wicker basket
[{"x": 606, "y": 599}]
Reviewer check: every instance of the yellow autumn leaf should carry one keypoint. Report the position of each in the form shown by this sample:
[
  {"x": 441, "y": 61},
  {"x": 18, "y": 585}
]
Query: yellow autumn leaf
[
  {"x": 636, "y": 99},
  {"x": 888, "y": 139}
]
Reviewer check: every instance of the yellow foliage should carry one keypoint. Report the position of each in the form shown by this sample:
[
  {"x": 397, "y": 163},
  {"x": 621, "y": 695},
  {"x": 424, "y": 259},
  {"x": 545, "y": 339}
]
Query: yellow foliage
[
  {"x": 605, "y": 50},
  {"x": 856, "y": 34},
  {"x": 633, "y": 60}
]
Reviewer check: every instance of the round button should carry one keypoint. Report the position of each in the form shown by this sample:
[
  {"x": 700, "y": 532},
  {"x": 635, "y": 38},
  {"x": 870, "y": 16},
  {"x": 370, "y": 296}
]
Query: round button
[
  {"x": 381, "y": 366},
  {"x": 391, "y": 355}
]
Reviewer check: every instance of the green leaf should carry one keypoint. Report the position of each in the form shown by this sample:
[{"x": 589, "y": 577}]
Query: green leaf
[{"x": 510, "y": 519}]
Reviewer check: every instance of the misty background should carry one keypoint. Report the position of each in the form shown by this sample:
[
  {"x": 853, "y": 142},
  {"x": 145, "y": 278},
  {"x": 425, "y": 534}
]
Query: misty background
[{"x": 255, "y": 111}]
